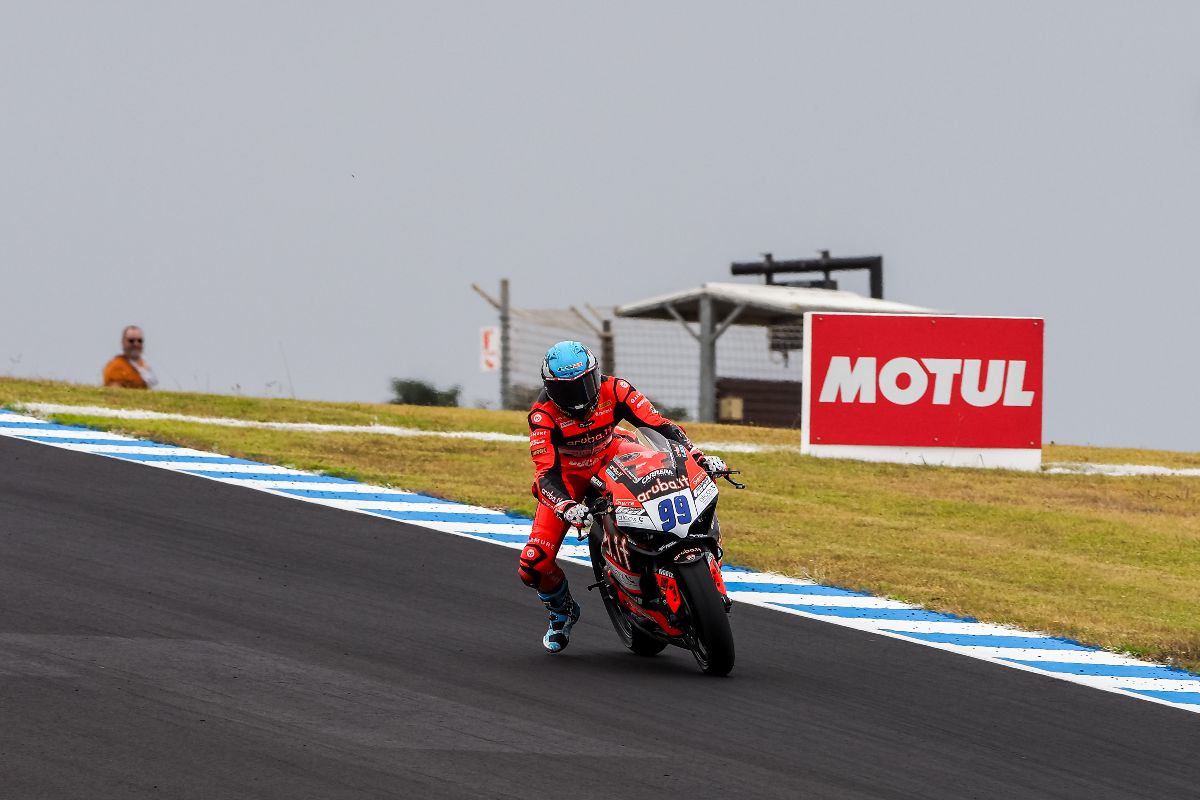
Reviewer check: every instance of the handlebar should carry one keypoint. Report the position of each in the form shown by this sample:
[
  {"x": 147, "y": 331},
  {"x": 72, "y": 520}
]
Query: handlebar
[
  {"x": 602, "y": 504},
  {"x": 726, "y": 475}
]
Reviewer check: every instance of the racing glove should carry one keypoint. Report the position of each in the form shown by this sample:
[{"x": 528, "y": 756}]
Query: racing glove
[
  {"x": 575, "y": 514},
  {"x": 713, "y": 465}
]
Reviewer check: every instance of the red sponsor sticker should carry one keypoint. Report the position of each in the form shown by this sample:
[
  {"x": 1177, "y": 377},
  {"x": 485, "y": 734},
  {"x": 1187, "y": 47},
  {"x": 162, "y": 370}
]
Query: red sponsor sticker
[{"x": 925, "y": 381}]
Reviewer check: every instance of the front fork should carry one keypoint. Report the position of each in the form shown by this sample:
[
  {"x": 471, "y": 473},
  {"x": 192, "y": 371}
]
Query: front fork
[{"x": 714, "y": 567}]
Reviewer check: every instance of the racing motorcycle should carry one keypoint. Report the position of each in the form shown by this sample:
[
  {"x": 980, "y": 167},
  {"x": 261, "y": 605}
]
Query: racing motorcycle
[{"x": 655, "y": 547}]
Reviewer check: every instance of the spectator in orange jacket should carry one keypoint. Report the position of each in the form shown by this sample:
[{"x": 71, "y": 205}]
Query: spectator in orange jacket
[{"x": 128, "y": 369}]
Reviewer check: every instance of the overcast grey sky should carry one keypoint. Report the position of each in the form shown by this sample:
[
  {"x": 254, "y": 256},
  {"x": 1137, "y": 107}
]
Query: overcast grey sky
[{"x": 332, "y": 177}]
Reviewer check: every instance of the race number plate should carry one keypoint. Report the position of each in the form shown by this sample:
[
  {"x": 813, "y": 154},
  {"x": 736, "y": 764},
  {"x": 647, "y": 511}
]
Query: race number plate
[{"x": 672, "y": 513}]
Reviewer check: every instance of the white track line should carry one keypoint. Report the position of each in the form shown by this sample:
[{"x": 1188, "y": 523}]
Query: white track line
[
  {"x": 312, "y": 427},
  {"x": 1050, "y": 468}
]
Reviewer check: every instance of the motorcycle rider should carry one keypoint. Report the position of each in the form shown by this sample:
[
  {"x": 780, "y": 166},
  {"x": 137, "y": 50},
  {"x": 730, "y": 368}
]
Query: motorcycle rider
[{"x": 570, "y": 434}]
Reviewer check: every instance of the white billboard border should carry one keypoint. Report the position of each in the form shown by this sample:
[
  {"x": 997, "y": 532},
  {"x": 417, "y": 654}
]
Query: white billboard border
[{"x": 1025, "y": 459}]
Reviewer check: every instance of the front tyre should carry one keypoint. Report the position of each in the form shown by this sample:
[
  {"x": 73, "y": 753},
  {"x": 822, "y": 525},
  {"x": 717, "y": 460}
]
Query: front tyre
[{"x": 712, "y": 637}]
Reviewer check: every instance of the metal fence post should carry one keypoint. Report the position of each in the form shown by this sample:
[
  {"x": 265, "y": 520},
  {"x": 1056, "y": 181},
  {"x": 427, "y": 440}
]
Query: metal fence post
[
  {"x": 505, "y": 347},
  {"x": 608, "y": 356},
  {"x": 708, "y": 361}
]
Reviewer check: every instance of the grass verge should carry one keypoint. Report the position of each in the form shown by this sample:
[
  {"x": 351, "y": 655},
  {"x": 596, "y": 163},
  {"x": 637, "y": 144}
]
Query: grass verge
[{"x": 1114, "y": 562}]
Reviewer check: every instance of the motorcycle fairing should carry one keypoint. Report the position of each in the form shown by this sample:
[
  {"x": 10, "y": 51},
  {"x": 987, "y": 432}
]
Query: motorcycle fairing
[
  {"x": 629, "y": 581},
  {"x": 658, "y": 474},
  {"x": 657, "y": 617},
  {"x": 634, "y": 518},
  {"x": 670, "y": 590},
  {"x": 705, "y": 494}
]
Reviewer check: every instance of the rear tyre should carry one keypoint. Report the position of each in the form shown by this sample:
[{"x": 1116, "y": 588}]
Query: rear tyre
[
  {"x": 644, "y": 644},
  {"x": 630, "y": 635},
  {"x": 713, "y": 648}
]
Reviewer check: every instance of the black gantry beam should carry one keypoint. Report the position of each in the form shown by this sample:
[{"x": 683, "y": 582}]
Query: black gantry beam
[{"x": 769, "y": 267}]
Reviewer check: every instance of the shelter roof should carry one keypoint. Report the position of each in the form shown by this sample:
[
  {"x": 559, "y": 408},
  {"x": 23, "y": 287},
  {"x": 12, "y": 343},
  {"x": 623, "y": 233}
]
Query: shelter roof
[{"x": 762, "y": 304}]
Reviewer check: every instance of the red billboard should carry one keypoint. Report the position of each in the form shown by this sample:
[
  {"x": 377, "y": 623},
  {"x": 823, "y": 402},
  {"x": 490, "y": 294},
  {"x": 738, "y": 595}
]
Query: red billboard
[{"x": 923, "y": 383}]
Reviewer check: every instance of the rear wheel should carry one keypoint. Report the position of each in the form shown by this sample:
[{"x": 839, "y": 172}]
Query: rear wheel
[
  {"x": 712, "y": 637},
  {"x": 631, "y": 635},
  {"x": 644, "y": 644}
]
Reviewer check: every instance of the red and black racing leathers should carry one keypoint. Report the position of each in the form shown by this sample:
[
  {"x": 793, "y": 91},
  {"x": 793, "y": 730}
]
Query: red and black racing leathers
[{"x": 566, "y": 453}]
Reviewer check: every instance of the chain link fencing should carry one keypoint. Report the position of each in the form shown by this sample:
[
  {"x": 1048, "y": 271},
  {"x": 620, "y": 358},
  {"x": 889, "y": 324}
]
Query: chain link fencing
[{"x": 758, "y": 368}]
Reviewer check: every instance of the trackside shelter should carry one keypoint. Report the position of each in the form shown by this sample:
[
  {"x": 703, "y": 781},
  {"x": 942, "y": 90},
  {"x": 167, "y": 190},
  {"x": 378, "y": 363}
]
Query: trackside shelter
[{"x": 708, "y": 310}]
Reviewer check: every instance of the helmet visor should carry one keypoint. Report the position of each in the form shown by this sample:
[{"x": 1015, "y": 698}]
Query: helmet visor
[{"x": 576, "y": 396}]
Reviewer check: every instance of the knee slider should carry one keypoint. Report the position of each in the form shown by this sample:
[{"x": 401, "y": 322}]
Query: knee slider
[{"x": 531, "y": 557}]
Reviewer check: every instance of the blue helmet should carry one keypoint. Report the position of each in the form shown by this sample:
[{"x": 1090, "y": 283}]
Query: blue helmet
[{"x": 572, "y": 378}]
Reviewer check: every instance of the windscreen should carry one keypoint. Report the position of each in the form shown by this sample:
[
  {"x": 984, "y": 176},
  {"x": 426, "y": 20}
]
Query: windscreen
[
  {"x": 648, "y": 437},
  {"x": 652, "y": 438}
]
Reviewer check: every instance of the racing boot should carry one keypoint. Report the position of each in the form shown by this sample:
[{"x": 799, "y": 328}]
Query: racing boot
[{"x": 564, "y": 613}]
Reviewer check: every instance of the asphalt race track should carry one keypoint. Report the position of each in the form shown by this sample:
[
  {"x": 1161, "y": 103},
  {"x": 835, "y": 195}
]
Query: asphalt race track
[{"x": 167, "y": 636}]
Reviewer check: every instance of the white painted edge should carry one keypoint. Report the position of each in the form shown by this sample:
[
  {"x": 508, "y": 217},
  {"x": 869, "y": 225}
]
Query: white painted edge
[
  {"x": 228, "y": 422},
  {"x": 806, "y": 385},
  {"x": 1051, "y": 468},
  {"x": 981, "y": 457},
  {"x": 312, "y": 427},
  {"x": 1118, "y": 470}
]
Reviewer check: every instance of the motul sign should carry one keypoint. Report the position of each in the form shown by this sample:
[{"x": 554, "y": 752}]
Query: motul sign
[{"x": 926, "y": 389}]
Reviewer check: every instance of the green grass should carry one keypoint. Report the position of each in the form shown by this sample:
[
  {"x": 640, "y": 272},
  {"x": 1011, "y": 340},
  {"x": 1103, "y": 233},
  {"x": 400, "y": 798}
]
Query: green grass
[{"x": 1114, "y": 562}]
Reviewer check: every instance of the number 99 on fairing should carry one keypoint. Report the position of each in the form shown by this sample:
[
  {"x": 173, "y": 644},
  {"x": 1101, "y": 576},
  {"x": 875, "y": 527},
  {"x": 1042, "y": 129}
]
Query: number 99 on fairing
[{"x": 674, "y": 511}]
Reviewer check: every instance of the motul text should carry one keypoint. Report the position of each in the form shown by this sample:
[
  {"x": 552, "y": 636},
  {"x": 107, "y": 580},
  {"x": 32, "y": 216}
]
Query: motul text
[{"x": 906, "y": 380}]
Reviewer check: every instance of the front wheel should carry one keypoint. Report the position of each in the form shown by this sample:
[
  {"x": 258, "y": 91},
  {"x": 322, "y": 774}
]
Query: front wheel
[{"x": 712, "y": 637}]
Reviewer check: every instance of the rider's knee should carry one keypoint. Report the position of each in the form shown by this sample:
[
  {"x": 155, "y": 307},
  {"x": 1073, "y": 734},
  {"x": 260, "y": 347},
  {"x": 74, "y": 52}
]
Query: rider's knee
[
  {"x": 529, "y": 576},
  {"x": 538, "y": 570},
  {"x": 532, "y": 557}
]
